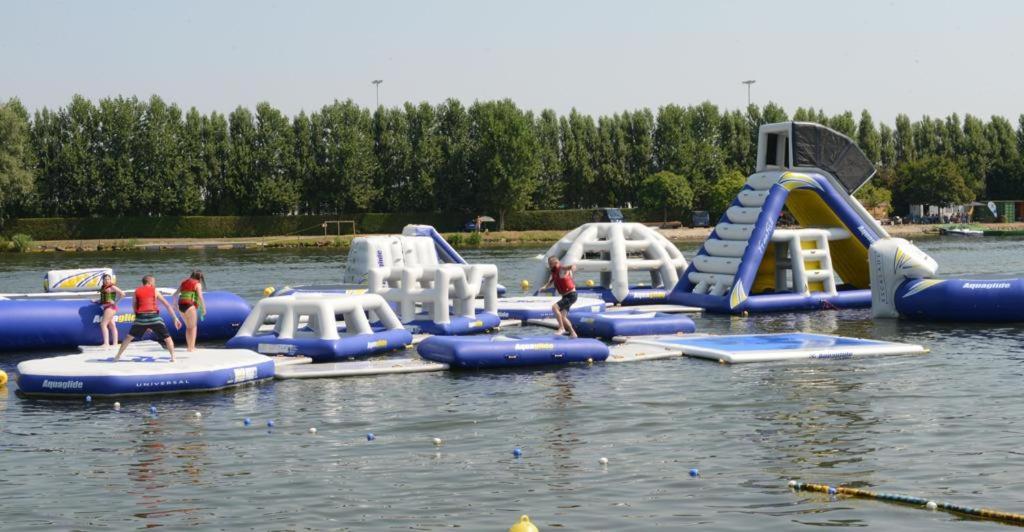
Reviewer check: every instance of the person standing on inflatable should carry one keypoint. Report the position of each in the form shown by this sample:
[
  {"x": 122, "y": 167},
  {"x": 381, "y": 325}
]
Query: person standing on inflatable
[
  {"x": 191, "y": 306},
  {"x": 109, "y": 294},
  {"x": 147, "y": 317},
  {"x": 561, "y": 277}
]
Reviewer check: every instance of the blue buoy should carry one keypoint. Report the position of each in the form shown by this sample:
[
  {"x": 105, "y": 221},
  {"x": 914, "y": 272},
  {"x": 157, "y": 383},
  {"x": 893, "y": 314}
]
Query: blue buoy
[
  {"x": 695, "y": 472},
  {"x": 247, "y": 422},
  {"x": 370, "y": 436},
  {"x": 831, "y": 490},
  {"x": 270, "y": 423},
  {"x": 517, "y": 452},
  {"x": 88, "y": 398},
  {"x": 152, "y": 409}
]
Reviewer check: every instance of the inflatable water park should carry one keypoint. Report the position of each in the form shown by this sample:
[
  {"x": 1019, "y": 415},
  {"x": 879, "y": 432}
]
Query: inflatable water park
[{"x": 794, "y": 239}]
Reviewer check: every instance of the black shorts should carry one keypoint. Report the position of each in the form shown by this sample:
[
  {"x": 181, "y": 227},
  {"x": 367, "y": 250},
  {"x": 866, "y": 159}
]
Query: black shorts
[
  {"x": 567, "y": 301},
  {"x": 159, "y": 330},
  {"x": 183, "y": 307}
]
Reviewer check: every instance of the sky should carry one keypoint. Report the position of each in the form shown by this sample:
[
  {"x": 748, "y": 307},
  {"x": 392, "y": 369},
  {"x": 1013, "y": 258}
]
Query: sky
[{"x": 915, "y": 57}]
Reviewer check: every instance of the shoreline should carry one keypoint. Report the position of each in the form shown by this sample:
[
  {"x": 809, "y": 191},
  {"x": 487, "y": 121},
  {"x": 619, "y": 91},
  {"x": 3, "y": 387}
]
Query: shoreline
[{"x": 492, "y": 240}]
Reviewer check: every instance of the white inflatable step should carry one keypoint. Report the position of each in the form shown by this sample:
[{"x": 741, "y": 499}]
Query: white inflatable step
[
  {"x": 727, "y": 231},
  {"x": 743, "y": 215},
  {"x": 707, "y": 264},
  {"x": 764, "y": 180},
  {"x": 752, "y": 198},
  {"x": 710, "y": 278},
  {"x": 725, "y": 248},
  {"x": 358, "y": 368}
]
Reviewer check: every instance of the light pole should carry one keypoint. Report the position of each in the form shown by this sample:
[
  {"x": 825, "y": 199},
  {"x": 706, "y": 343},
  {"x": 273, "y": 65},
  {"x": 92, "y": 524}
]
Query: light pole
[
  {"x": 748, "y": 83},
  {"x": 376, "y": 84}
]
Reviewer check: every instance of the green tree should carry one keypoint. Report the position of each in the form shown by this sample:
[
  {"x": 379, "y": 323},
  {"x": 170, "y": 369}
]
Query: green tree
[
  {"x": 904, "y": 140},
  {"x": 977, "y": 153},
  {"x": 16, "y": 176},
  {"x": 394, "y": 154},
  {"x": 503, "y": 156},
  {"x": 930, "y": 180},
  {"x": 670, "y": 138},
  {"x": 873, "y": 196},
  {"x": 424, "y": 157},
  {"x": 723, "y": 192},
  {"x": 216, "y": 154},
  {"x": 844, "y": 123},
  {"x": 579, "y": 140},
  {"x": 241, "y": 167},
  {"x": 612, "y": 163},
  {"x": 303, "y": 158},
  {"x": 275, "y": 187},
  {"x": 886, "y": 145},
  {"x": 453, "y": 188},
  {"x": 868, "y": 137},
  {"x": 345, "y": 162},
  {"x": 550, "y": 187},
  {"x": 666, "y": 192}
]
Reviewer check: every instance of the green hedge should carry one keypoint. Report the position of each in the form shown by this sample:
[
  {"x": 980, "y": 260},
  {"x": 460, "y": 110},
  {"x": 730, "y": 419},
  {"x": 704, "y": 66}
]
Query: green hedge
[{"x": 254, "y": 226}]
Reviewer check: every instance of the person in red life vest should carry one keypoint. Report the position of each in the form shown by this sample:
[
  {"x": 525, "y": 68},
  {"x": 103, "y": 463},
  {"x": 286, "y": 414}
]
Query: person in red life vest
[
  {"x": 191, "y": 306},
  {"x": 147, "y": 316},
  {"x": 109, "y": 294},
  {"x": 561, "y": 278}
]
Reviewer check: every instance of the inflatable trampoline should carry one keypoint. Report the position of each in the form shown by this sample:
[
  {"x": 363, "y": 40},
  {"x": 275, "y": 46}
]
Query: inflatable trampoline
[
  {"x": 144, "y": 369},
  {"x": 65, "y": 321},
  {"x": 539, "y": 307},
  {"x": 744, "y": 348},
  {"x": 631, "y": 323},
  {"x": 308, "y": 325},
  {"x": 461, "y": 352}
]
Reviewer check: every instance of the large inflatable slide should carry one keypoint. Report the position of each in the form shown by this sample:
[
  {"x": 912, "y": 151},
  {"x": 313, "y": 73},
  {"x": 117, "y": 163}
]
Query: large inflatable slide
[{"x": 750, "y": 263}]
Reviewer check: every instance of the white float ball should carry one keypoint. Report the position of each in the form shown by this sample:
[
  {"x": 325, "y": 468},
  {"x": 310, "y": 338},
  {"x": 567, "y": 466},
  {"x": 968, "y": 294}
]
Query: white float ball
[{"x": 602, "y": 461}]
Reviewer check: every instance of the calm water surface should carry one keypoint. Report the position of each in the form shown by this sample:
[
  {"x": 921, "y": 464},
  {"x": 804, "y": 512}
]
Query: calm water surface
[{"x": 941, "y": 426}]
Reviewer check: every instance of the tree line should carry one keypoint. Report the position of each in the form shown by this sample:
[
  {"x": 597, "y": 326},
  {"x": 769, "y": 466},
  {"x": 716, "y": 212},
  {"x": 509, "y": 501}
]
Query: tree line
[{"x": 129, "y": 157}]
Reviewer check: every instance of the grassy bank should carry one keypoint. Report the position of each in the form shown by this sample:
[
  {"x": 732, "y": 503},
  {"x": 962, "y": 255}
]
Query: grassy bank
[{"x": 493, "y": 239}]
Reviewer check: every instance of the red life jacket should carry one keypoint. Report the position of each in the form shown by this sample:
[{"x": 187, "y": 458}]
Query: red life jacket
[
  {"x": 145, "y": 299},
  {"x": 564, "y": 284},
  {"x": 188, "y": 292}
]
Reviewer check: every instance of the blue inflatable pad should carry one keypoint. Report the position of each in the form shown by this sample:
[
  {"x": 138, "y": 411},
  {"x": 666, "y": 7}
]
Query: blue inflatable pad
[
  {"x": 962, "y": 300},
  {"x": 68, "y": 323},
  {"x": 507, "y": 352},
  {"x": 457, "y": 326},
  {"x": 630, "y": 323},
  {"x": 325, "y": 350},
  {"x": 638, "y": 295},
  {"x": 142, "y": 370},
  {"x": 786, "y": 346}
]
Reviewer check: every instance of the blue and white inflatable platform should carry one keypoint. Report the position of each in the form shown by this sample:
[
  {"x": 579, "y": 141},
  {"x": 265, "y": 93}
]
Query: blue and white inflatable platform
[
  {"x": 743, "y": 348},
  {"x": 307, "y": 324},
  {"x": 469, "y": 352},
  {"x": 630, "y": 323},
  {"x": 145, "y": 369},
  {"x": 539, "y": 307}
]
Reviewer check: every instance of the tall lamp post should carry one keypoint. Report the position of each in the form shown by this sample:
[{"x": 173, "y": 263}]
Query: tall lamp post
[
  {"x": 376, "y": 84},
  {"x": 748, "y": 83}
]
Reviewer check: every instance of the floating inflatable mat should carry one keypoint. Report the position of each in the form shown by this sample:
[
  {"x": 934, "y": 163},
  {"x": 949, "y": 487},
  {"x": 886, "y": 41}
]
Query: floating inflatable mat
[
  {"x": 789, "y": 346},
  {"x": 615, "y": 324},
  {"x": 142, "y": 370},
  {"x": 457, "y": 325},
  {"x": 358, "y": 368},
  {"x": 539, "y": 307},
  {"x": 506, "y": 351}
]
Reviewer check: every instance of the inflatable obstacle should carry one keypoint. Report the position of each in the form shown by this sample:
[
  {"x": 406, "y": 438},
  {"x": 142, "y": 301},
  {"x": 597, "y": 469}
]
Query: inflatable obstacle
[
  {"x": 68, "y": 320},
  {"x": 633, "y": 323},
  {"x": 539, "y": 307},
  {"x": 144, "y": 369},
  {"x": 308, "y": 324},
  {"x": 750, "y": 264},
  {"x": 743, "y": 348},
  {"x": 903, "y": 284},
  {"x": 505, "y": 352},
  {"x": 613, "y": 250}
]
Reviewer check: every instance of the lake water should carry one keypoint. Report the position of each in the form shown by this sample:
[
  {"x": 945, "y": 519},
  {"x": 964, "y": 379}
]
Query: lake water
[{"x": 942, "y": 426}]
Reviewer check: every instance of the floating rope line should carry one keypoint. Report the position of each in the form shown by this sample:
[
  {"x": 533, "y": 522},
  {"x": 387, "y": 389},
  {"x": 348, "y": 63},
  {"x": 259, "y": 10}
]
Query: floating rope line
[{"x": 984, "y": 513}]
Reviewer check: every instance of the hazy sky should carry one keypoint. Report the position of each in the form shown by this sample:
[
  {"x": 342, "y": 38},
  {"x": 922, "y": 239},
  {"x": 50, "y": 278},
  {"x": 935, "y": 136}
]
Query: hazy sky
[{"x": 919, "y": 57}]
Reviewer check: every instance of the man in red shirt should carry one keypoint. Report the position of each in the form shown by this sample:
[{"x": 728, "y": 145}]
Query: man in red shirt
[
  {"x": 147, "y": 316},
  {"x": 561, "y": 277}
]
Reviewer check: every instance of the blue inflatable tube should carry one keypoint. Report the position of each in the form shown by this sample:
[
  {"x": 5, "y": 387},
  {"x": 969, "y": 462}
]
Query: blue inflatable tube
[
  {"x": 68, "y": 323},
  {"x": 962, "y": 300},
  {"x": 321, "y": 350},
  {"x": 508, "y": 352},
  {"x": 630, "y": 323},
  {"x": 638, "y": 295},
  {"x": 457, "y": 325}
]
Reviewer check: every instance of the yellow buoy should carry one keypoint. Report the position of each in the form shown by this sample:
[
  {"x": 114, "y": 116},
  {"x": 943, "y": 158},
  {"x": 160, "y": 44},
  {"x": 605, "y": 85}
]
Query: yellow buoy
[
  {"x": 268, "y": 291},
  {"x": 524, "y": 284},
  {"x": 523, "y": 525},
  {"x": 590, "y": 282},
  {"x": 3, "y": 377}
]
